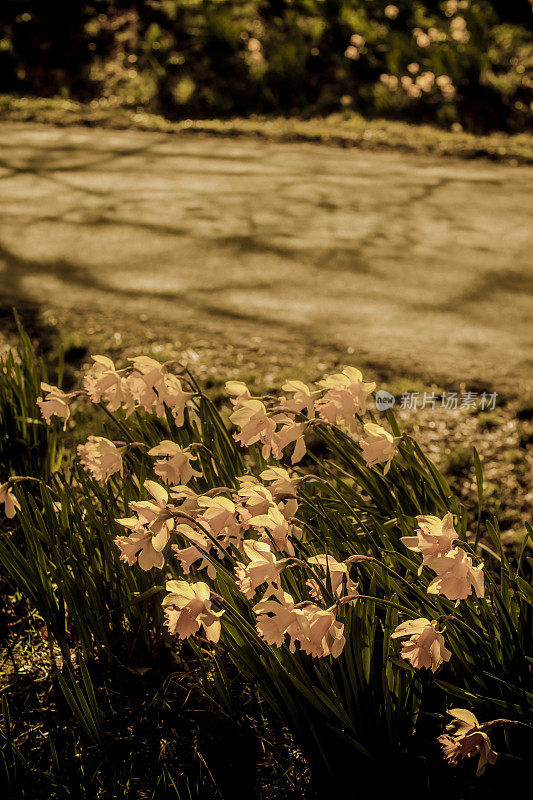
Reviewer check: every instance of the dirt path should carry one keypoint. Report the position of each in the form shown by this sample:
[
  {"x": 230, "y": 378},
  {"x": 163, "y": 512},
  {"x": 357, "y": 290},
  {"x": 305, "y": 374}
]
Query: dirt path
[{"x": 413, "y": 262}]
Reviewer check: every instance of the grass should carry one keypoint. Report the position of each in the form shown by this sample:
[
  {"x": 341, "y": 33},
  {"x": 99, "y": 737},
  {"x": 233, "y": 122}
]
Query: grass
[
  {"x": 345, "y": 129},
  {"x": 161, "y": 733},
  {"x": 166, "y": 721}
]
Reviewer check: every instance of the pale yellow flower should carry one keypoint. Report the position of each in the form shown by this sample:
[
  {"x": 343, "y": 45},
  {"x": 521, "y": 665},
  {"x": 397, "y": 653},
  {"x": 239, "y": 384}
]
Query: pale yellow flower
[
  {"x": 276, "y": 528},
  {"x": 220, "y": 517},
  {"x": 138, "y": 546},
  {"x": 302, "y": 397},
  {"x": 154, "y": 389},
  {"x": 352, "y": 52},
  {"x": 281, "y": 483},
  {"x": 459, "y": 30},
  {"x": 251, "y": 416},
  {"x": 101, "y": 457},
  {"x": 378, "y": 446},
  {"x": 174, "y": 464},
  {"x": 218, "y": 512},
  {"x": 466, "y": 740},
  {"x": 256, "y": 498},
  {"x": 422, "y": 38},
  {"x": 8, "y": 500},
  {"x": 357, "y": 40},
  {"x": 189, "y": 500},
  {"x": 262, "y": 568},
  {"x": 237, "y": 388},
  {"x": 391, "y": 81},
  {"x": 55, "y": 404},
  {"x": 174, "y": 397},
  {"x": 274, "y": 617},
  {"x": 425, "y": 81},
  {"x": 155, "y": 515},
  {"x": 321, "y": 634},
  {"x": 187, "y": 607},
  {"x": 254, "y": 45},
  {"x": 188, "y": 556},
  {"x": 239, "y": 393},
  {"x": 143, "y": 380},
  {"x": 104, "y": 384},
  {"x": 456, "y": 577},
  {"x": 338, "y": 575},
  {"x": 316, "y": 629},
  {"x": 293, "y": 432},
  {"x": 425, "y": 648},
  {"x": 151, "y": 529},
  {"x": 345, "y": 395},
  {"x": 434, "y": 537}
]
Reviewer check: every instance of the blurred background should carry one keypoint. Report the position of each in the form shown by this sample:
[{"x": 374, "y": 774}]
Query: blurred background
[{"x": 453, "y": 62}]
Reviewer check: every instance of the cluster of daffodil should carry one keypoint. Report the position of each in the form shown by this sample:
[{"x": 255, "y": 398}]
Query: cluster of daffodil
[
  {"x": 257, "y": 521},
  {"x": 252, "y": 532}
]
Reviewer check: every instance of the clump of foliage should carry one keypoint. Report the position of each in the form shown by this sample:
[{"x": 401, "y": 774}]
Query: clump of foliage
[
  {"x": 453, "y": 62},
  {"x": 305, "y": 568}
]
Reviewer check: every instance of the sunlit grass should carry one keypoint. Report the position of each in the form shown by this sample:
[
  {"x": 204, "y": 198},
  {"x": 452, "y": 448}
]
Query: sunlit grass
[
  {"x": 346, "y": 129},
  {"x": 364, "y": 703}
]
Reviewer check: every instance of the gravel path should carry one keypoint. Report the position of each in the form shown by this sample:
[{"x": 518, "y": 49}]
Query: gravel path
[{"x": 396, "y": 259}]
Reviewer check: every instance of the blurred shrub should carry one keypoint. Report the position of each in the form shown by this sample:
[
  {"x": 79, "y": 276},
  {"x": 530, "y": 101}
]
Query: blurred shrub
[{"x": 455, "y": 62}]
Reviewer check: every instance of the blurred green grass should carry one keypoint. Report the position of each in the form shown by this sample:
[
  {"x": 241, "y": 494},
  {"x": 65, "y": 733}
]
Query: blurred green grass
[{"x": 344, "y": 129}]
